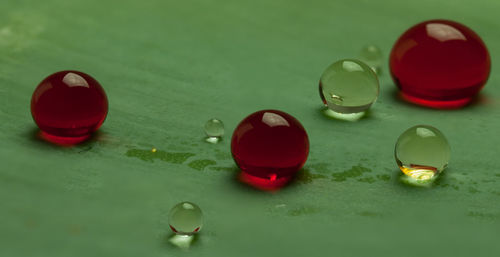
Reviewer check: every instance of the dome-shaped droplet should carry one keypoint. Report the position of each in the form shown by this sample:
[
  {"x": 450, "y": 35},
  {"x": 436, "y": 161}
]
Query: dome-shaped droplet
[
  {"x": 185, "y": 218},
  {"x": 214, "y": 129},
  {"x": 372, "y": 56},
  {"x": 348, "y": 86},
  {"x": 422, "y": 152}
]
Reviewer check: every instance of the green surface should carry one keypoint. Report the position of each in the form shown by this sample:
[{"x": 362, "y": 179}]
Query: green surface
[{"x": 168, "y": 66}]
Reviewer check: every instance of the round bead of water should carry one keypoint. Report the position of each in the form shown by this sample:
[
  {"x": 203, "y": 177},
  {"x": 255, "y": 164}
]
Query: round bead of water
[
  {"x": 69, "y": 105},
  {"x": 348, "y": 86},
  {"x": 214, "y": 128},
  {"x": 270, "y": 144},
  {"x": 422, "y": 152},
  {"x": 372, "y": 55},
  {"x": 439, "y": 64},
  {"x": 185, "y": 218}
]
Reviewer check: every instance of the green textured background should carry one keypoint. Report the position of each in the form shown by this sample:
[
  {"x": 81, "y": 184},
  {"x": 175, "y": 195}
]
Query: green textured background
[{"x": 168, "y": 66}]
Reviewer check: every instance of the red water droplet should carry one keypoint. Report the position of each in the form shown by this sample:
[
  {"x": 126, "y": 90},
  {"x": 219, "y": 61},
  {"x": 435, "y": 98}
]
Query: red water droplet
[
  {"x": 62, "y": 141},
  {"x": 440, "y": 64},
  {"x": 264, "y": 184},
  {"x": 68, "y": 106},
  {"x": 270, "y": 145}
]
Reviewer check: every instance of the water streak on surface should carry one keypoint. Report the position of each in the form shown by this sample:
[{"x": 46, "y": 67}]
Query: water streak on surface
[{"x": 149, "y": 155}]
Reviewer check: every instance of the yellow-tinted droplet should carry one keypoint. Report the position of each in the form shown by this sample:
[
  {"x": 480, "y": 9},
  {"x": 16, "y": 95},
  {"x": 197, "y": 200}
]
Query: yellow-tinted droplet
[
  {"x": 420, "y": 173},
  {"x": 422, "y": 152}
]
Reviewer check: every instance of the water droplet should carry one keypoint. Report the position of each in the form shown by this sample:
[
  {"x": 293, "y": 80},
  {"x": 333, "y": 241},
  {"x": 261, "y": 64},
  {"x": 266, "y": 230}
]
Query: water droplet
[
  {"x": 214, "y": 129},
  {"x": 185, "y": 218},
  {"x": 348, "y": 86},
  {"x": 422, "y": 152},
  {"x": 372, "y": 55}
]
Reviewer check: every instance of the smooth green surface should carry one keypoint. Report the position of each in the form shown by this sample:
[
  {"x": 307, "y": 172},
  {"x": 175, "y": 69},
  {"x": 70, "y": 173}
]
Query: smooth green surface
[
  {"x": 349, "y": 86},
  {"x": 186, "y": 218},
  {"x": 168, "y": 66},
  {"x": 422, "y": 152}
]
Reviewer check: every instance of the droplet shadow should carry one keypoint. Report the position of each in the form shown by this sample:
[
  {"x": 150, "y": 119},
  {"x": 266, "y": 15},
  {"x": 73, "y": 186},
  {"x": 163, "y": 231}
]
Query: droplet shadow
[
  {"x": 247, "y": 182},
  {"x": 325, "y": 112},
  {"x": 480, "y": 99},
  {"x": 407, "y": 182},
  {"x": 38, "y": 136},
  {"x": 212, "y": 140},
  {"x": 182, "y": 242}
]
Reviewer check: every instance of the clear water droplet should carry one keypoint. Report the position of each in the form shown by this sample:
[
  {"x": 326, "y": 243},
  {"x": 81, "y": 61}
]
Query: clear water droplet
[
  {"x": 214, "y": 129},
  {"x": 422, "y": 152},
  {"x": 348, "y": 86},
  {"x": 185, "y": 218},
  {"x": 372, "y": 55}
]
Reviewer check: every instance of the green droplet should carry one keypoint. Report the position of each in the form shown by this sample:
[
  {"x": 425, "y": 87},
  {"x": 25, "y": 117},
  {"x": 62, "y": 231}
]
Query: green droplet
[
  {"x": 348, "y": 86},
  {"x": 185, "y": 218},
  {"x": 422, "y": 152},
  {"x": 372, "y": 55},
  {"x": 214, "y": 129}
]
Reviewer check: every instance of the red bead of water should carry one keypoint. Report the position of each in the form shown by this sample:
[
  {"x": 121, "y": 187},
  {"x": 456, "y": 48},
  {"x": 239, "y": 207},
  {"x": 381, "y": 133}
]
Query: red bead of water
[
  {"x": 68, "y": 106},
  {"x": 440, "y": 64},
  {"x": 269, "y": 146}
]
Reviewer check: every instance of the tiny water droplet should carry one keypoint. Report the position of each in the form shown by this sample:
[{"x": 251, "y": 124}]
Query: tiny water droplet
[
  {"x": 372, "y": 55},
  {"x": 185, "y": 218},
  {"x": 214, "y": 129}
]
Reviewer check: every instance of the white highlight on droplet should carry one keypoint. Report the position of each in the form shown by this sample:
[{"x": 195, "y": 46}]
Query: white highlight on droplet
[{"x": 75, "y": 80}]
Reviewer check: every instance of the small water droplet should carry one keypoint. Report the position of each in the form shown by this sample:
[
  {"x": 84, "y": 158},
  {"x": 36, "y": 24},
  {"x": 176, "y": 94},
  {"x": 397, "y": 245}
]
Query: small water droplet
[
  {"x": 185, "y": 218},
  {"x": 214, "y": 129},
  {"x": 422, "y": 152},
  {"x": 372, "y": 55}
]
